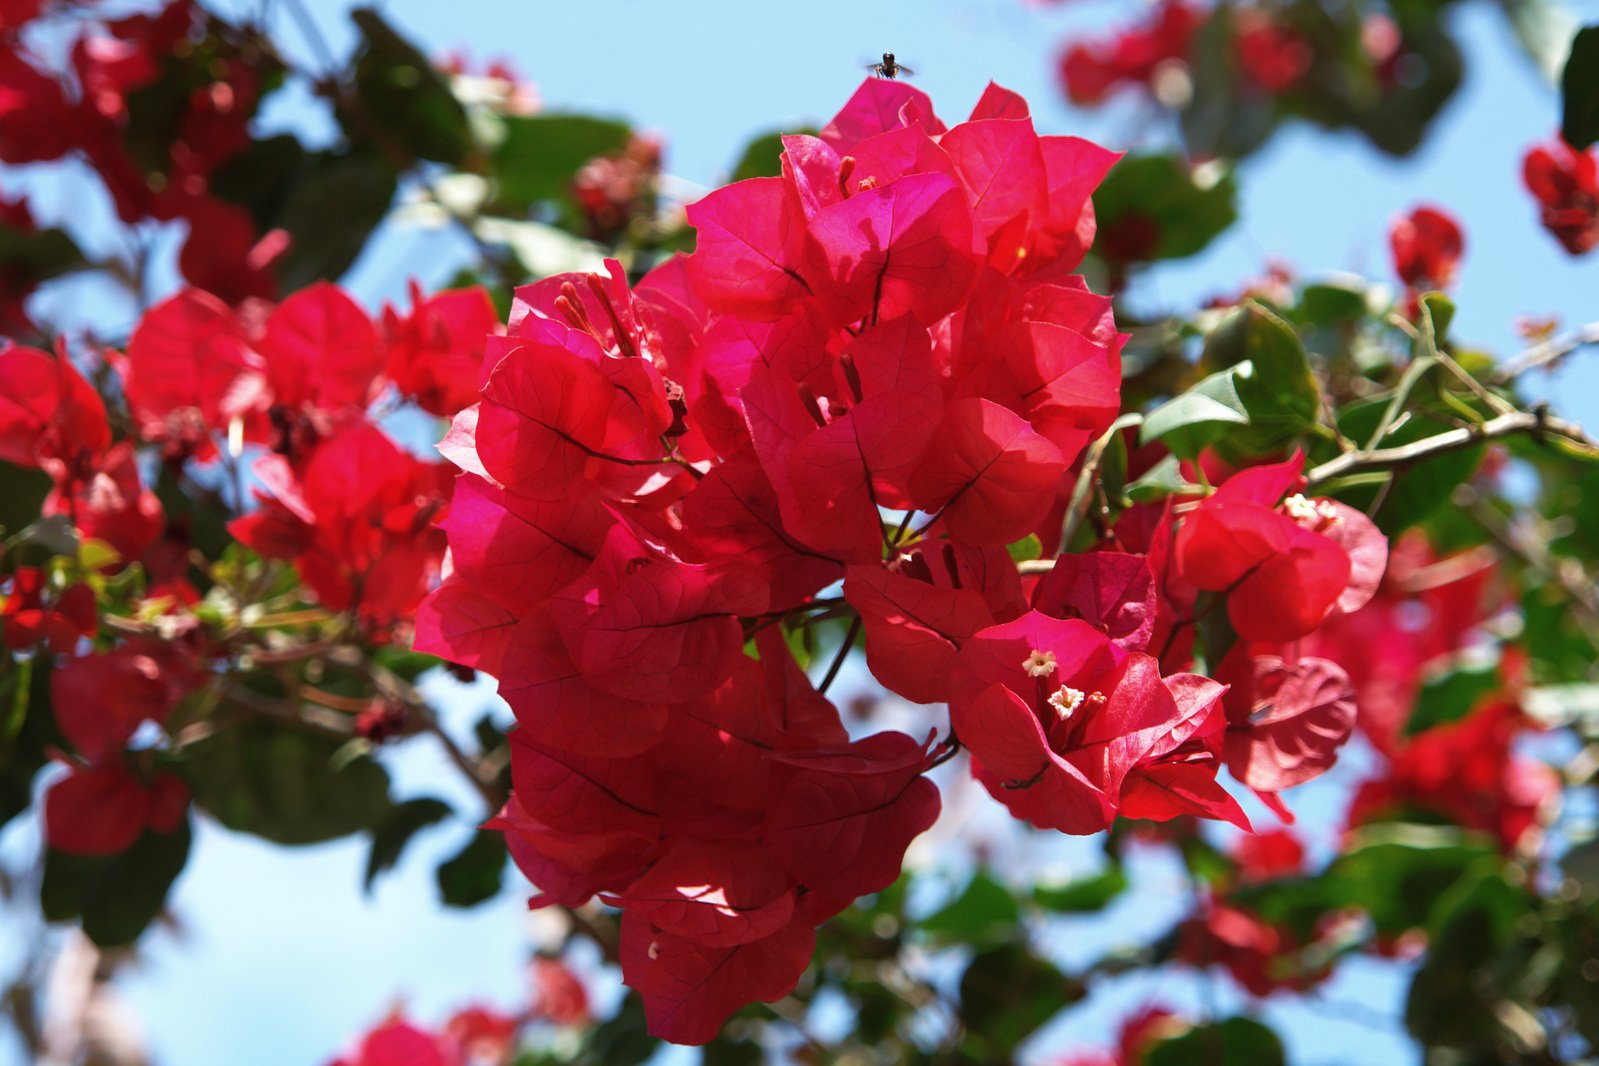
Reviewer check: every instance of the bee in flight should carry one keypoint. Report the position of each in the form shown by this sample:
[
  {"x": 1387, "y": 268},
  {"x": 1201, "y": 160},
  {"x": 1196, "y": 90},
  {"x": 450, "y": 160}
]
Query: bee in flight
[{"x": 888, "y": 68}]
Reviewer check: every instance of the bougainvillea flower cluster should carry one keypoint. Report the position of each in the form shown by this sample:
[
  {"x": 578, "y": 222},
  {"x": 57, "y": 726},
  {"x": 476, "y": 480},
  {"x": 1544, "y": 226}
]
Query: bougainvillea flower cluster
[
  {"x": 1271, "y": 56},
  {"x": 1427, "y": 245},
  {"x": 1565, "y": 182},
  {"x": 877, "y": 367},
  {"x": 284, "y": 389}
]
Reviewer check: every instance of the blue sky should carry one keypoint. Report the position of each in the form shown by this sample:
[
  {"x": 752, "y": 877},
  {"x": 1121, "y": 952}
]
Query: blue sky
[{"x": 281, "y": 959}]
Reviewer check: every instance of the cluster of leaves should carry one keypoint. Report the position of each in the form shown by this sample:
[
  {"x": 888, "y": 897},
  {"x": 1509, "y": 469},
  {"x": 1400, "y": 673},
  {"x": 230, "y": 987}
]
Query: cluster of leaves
[
  {"x": 1233, "y": 73},
  {"x": 161, "y": 106}
]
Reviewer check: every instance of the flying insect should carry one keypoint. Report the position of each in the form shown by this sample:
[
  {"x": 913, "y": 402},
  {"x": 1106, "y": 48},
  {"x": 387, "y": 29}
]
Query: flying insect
[{"x": 888, "y": 68}]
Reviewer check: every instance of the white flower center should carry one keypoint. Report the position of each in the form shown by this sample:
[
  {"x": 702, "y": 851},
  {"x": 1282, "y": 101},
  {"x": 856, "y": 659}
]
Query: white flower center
[
  {"x": 1067, "y": 700},
  {"x": 1312, "y": 514},
  {"x": 1039, "y": 663}
]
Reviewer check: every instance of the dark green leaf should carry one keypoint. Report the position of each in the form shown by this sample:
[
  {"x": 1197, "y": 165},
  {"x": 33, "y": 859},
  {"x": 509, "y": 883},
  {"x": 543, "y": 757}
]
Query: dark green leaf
[
  {"x": 1330, "y": 303},
  {"x": 1234, "y": 1042},
  {"x": 1085, "y": 895},
  {"x": 115, "y": 896},
  {"x": 1163, "y": 479},
  {"x": 403, "y": 99},
  {"x": 474, "y": 875},
  {"x": 762, "y": 159},
  {"x": 985, "y": 912},
  {"x": 1195, "y": 418},
  {"x": 390, "y": 838},
  {"x": 1161, "y": 190},
  {"x": 285, "y": 785},
  {"x": 1252, "y": 334},
  {"x": 1579, "y": 90},
  {"x": 621, "y": 1041},
  {"x": 37, "y": 256},
  {"x": 1451, "y": 697},
  {"x": 1006, "y": 993},
  {"x": 727, "y": 1051},
  {"x": 1455, "y": 998},
  {"x": 1227, "y": 117},
  {"x": 541, "y": 153},
  {"x": 329, "y": 214},
  {"x": 22, "y": 494},
  {"x": 30, "y": 723},
  {"x": 261, "y": 177}
]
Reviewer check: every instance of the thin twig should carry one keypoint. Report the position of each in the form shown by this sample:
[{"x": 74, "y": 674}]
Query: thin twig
[
  {"x": 1506, "y": 425},
  {"x": 1545, "y": 353},
  {"x": 843, "y": 653}
]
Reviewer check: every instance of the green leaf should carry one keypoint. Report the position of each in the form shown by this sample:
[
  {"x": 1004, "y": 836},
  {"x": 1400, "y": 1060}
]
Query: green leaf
[
  {"x": 1281, "y": 395},
  {"x": 1457, "y": 995},
  {"x": 1187, "y": 211},
  {"x": 624, "y": 1040},
  {"x": 1234, "y": 1042},
  {"x": 29, "y": 257},
  {"x": 762, "y": 159},
  {"x": 1027, "y": 549},
  {"x": 984, "y": 913},
  {"x": 1226, "y": 117},
  {"x": 1006, "y": 993},
  {"x": 1084, "y": 895},
  {"x": 30, "y": 724},
  {"x": 1451, "y": 697},
  {"x": 1163, "y": 479},
  {"x": 403, "y": 96},
  {"x": 1396, "y": 872},
  {"x": 390, "y": 838},
  {"x": 1579, "y": 90},
  {"x": 1193, "y": 419},
  {"x": 329, "y": 214},
  {"x": 282, "y": 784},
  {"x": 541, "y": 153},
  {"x": 1332, "y": 303},
  {"x": 115, "y": 896},
  {"x": 474, "y": 875}
]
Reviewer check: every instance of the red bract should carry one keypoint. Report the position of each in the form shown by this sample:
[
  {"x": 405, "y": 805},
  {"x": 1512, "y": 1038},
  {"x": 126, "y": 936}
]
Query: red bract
[
  {"x": 102, "y": 809},
  {"x": 557, "y": 993},
  {"x": 987, "y": 473},
  {"x": 399, "y": 1043},
  {"x": 655, "y": 478},
  {"x": 1425, "y": 608},
  {"x": 100, "y": 699},
  {"x": 36, "y": 121},
  {"x": 1091, "y": 71},
  {"x": 1283, "y": 570},
  {"x": 1111, "y": 591},
  {"x": 190, "y": 371},
  {"x": 320, "y": 350},
  {"x": 55, "y": 621},
  {"x": 356, "y": 523},
  {"x": 1427, "y": 245},
  {"x": 434, "y": 353},
  {"x": 1285, "y": 721},
  {"x": 1261, "y": 957},
  {"x": 1055, "y": 716},
  {"x": 1565, "y": 182},
  {"x": 1468, "y": 772},
  {"x": 110, "y": 503},
  {"x": 1273, "y": 56},
  {"x": 690, "y": 988},
  {"x": 49, "y": 415}
]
